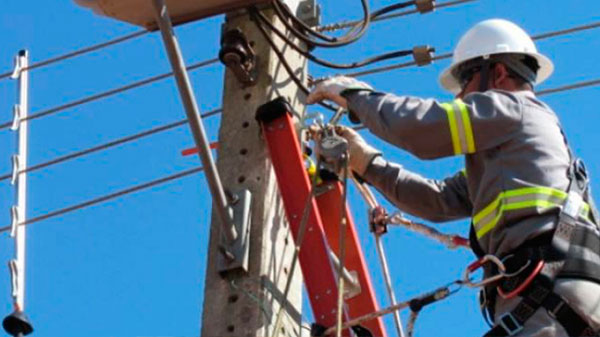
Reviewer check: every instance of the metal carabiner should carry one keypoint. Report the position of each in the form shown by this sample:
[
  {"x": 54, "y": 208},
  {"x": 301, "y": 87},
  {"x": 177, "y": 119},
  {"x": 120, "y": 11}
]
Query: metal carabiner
[{"x": 480, "y": 263}]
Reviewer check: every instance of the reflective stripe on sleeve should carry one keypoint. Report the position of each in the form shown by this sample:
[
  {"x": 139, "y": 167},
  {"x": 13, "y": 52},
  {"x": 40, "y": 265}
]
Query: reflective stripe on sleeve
[
  {"x": 541, "y": 198},
  {"x": 460, "y": 127}
]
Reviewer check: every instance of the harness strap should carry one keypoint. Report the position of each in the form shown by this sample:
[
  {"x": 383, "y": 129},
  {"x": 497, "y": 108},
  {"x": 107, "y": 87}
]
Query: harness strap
[{"x": 540, "y": 294}]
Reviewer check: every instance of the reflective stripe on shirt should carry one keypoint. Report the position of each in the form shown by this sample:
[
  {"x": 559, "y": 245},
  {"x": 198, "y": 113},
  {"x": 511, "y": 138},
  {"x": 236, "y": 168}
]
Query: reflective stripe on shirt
[
  {"x": 542, "y": 198},
  {"x": 460, "y": 127}
]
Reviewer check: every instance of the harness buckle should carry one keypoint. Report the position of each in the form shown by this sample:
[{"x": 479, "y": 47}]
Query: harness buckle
[{"x": 510, "y": 324}]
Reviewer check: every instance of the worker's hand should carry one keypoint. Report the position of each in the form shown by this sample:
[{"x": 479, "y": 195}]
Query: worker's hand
[
  {"x": 360, "y": 153},
  {"x": 333, "y": 88}
]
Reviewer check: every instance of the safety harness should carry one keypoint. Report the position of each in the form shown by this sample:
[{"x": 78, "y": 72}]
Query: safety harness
[{"x": 571, "y": 250}]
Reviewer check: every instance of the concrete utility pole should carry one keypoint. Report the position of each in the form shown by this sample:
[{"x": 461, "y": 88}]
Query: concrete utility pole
[{"x": 238, "y": 303}]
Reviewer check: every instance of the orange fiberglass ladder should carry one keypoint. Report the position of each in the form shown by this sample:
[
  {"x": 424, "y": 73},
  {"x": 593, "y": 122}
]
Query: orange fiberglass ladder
[{"x": 321, "y": 235}]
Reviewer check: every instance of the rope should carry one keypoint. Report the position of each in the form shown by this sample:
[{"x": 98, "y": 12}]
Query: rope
[
  {"x": 78, "y": 52},
  {"x": 451, "y": 241},
  {"x": 106, "y": 94},
  {"x": 105, "y": 198},
  {"x": 108, "y": 145}
]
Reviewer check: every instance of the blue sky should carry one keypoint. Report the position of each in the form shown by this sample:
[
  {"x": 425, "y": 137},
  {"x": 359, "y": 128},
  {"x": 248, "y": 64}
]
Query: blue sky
[{"x": 135, "y": 266}]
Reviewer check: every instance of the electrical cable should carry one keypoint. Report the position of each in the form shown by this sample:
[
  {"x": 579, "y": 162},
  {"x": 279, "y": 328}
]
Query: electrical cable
[
  {"x": 282, "y": 59},
  {"x": 542, "y": 36},
  {"x": 284, "y": 14},
  {"x": 105, "y": 94},
  {"x": 105, "y": 198},
  {"x": 325, "y": 63},
  {"x": 349, "y": 24},
  {"x": 569, "y": 87},
  {"x": 108, "y": 145},
  {"x": 79, "y": 52}
]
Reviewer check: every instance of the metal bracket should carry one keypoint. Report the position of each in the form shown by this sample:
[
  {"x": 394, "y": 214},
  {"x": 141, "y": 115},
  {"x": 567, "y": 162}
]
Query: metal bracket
[
  {"x": 309, "y": 12},
  {"x": 16, "y": 167},
  {"x": 16, "y": 117},
  {"x": 237, "y": 55},
  {"x": 18, "y": 67},
  {"x": 236, "y": 254},
  {"x": 425, "y": 6},
  {"x": 423, "y": 55},
  {"x": 14, "y": 276},
  {"x": 14, "y": 220},
  {"x": 352, "y": 284}
]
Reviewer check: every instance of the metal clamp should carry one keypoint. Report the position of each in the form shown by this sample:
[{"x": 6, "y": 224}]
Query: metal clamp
[
  {"x": 18, "y": 67},
  {"x": 235, "y": 255},
  {"x": 425, "y": 6},
  {"x": 237, "y": 55},
  {"x": 16, "y": 122},
  {"x": 14, "y": 220},
  {"x": 16, "y": 167},
  {"x": 378, "y": 220},
  {"x": 480, "y": 263},
  {"x": 423, "y": 55}
]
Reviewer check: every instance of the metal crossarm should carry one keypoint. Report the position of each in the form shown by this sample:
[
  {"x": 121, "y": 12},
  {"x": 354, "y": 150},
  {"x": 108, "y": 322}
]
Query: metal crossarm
[{"x": 322, "y": 227}]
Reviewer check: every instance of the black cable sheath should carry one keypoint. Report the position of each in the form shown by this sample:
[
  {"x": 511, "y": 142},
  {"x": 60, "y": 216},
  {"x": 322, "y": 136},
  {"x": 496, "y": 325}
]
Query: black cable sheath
[{"x": 312, "y": 57}]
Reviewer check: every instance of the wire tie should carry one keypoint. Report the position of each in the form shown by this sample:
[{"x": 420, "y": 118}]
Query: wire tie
[
  {"x": 16, "y": 166},
  {"x": 425, "y": 6},
  {"x": 16, "y": 117},
  {"x": 18, "y": 68},
  {"x": 14, "y": 275},
  {"x": 423, "y": 55},
  {"x": 14, "y": 220}
]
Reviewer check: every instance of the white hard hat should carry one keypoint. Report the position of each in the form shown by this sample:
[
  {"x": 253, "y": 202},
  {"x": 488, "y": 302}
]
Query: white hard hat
[{"x": 492, "y": 37}]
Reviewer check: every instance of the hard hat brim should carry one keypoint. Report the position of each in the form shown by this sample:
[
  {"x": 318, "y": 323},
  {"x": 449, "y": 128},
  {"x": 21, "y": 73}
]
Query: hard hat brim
[{"x": 449, "y": 82}]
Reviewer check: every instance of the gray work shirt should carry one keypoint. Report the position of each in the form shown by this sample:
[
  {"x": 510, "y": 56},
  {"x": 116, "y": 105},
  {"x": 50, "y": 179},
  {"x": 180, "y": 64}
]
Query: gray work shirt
[{"x": 516, "y": 161}]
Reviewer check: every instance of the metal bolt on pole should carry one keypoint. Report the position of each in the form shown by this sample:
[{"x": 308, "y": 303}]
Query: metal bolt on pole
[{"x": 194, "y": 119}]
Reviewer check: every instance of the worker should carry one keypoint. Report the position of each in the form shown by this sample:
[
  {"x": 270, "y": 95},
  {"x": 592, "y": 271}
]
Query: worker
[{"x": 527, "y": 195}]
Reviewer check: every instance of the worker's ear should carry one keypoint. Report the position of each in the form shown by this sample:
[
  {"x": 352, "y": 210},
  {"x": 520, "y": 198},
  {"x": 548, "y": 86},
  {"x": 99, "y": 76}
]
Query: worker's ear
[{"x": 500, "y": 75}]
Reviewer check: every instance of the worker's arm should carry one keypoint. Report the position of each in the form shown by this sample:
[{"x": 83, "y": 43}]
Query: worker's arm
[
  {"x": 433, "y": 200},
  {"x": 430, "y": 129}
]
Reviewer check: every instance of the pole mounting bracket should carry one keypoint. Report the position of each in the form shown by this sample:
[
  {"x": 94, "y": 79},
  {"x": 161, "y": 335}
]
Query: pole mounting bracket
[{"x": 235, "y": 255}]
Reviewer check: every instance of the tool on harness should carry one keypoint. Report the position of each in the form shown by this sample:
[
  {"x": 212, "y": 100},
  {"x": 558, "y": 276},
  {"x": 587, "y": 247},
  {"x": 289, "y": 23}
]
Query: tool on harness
[{"x": 572, "y": 250}]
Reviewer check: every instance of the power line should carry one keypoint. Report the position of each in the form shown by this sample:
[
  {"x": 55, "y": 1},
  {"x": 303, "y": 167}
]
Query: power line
[
  {"x": 106, "y": 94},
  {"x": 569, "y": 87},
  {"x": 79, "y": 52},
  {"x": 108, "y": 145},
  {"x": 542, "y": 36},
  {"x": 106, "y": 198},
  {"x": 349, "y": 24}
]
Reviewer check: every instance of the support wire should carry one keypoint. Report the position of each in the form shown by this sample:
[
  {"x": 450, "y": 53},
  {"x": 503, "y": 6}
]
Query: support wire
[
  {"x": 79, "y": 52},
  {"x": 105, "y": 198},
  {"x": 108, "y": 93},
  {"x": 108, "y": 145}
]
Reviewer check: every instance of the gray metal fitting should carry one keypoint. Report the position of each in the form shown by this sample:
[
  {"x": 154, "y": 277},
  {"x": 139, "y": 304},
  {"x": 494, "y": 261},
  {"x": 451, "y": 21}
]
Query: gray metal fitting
[{"x": 423, "y": 55}]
